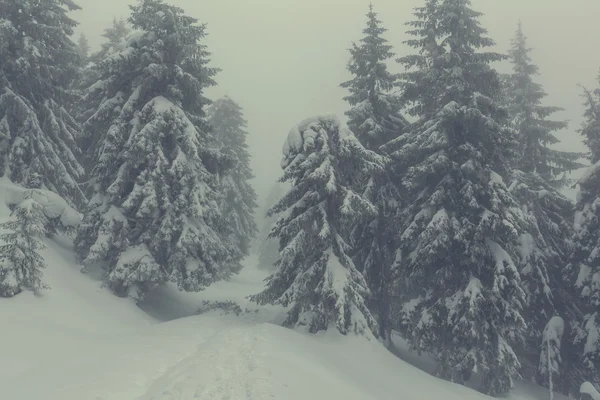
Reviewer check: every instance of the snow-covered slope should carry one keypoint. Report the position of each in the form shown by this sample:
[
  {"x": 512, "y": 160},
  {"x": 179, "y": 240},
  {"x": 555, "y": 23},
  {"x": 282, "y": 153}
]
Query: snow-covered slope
[{"x": 79, "y": 342}]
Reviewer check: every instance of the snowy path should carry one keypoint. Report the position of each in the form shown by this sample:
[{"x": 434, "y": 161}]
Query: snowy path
[{"x": 227, "y": 366}]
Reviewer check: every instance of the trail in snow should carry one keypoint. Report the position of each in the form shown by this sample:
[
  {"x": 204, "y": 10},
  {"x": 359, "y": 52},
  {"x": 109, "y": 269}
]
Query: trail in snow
[{"x": 228, "y": 366}]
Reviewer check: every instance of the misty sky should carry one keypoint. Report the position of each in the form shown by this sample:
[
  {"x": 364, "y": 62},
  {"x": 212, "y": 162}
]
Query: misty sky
[{"x": 283, "y": 60}]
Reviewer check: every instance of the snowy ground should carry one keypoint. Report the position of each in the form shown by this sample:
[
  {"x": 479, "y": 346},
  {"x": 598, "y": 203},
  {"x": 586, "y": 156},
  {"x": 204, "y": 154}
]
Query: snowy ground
[{"x": 78, "y": 342}]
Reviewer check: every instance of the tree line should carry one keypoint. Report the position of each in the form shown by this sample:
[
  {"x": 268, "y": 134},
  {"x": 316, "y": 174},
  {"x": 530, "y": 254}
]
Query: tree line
[
  {"x": 438, "y": 213},
  {"x": 435, "y": 213}
]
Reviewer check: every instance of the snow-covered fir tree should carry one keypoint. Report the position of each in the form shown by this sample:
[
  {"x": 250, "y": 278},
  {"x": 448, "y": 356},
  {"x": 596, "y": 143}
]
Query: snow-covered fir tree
[
  {"x": 229, "y": 130},
  {"x": 538, "y": 178},
  {"x": 155, "y": 213},
  {"x": 531, "y": 118},
  {"x": 375, "y": 119},
  {"x": 114, "y": 37},
  {"x": 21, "y": 265},
  {"x": 94, "y": 111},
  {"x": 550, "y": 365},
  {"x": 267, "y": 247},
  {"x": 38, "y": 62},
  {"x": 315, "y": 275},
  {"x": 459, "y": 249},
  {"x": 83, "y": 46},
  {"x": 584, "y": 268},
  {"x": 375, "y": 116}
]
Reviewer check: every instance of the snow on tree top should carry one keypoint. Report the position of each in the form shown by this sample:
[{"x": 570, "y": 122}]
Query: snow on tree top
[
  {"x": 589, "y": 389},
  {"x": 589, "y": 173},
  {"x": 298, "y": 134},
  {"x": 53, "y": 205},
  {"x": 555, "y": 328}
]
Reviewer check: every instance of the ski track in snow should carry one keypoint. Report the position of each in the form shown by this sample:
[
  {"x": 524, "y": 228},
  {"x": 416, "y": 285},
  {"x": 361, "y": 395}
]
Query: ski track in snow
[{"x": 227, "y": 366}]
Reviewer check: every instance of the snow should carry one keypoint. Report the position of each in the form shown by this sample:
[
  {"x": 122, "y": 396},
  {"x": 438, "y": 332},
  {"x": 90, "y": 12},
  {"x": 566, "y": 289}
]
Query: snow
[
  {"x": 526, "y": 246},
  {"x": 296, "y": 137},
  {"x": 589, "y": 389},
  {"x": 593, "y": 335},
  {"x": 554, "y": 329},
  {"x": 589, "y": 173},
  {"x": 77, "y": 341},
  {"x": 53, "y": 205}
]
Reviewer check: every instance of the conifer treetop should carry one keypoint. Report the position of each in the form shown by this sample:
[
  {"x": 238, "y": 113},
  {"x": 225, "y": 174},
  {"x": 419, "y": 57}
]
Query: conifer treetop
[
  {"x": 375, "y": 114},
  {"x": 530, "y": 118}
]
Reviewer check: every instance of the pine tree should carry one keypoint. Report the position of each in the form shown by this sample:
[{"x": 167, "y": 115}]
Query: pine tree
[
  {"x": 375, "y": 119},
  {"x": 538, "y": 179},
  {"x": 584, "y": 269},
  {"x": 38, "y": 62},
  {"x": 21, "y": 265},
  {"x": 229, "y": 130},
  {"x": 155, "y": 212},
  {"x": 267, "y": 247},
  {"x": 114, "y": 35},
  {"x": 315, "y": 275},
  {"x": 375, "y": 115},
  {"x": 530, "y": 118},
  {"x": 95, "y": 84},
  {"x": 83, "y": 45},
  {"x": 550, "y": 365},
  {"x": 459, "y": 249}
]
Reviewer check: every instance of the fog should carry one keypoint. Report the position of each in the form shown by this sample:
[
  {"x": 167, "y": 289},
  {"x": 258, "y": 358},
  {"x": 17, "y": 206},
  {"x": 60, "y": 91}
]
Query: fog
[{"x": 283, "y": 60}]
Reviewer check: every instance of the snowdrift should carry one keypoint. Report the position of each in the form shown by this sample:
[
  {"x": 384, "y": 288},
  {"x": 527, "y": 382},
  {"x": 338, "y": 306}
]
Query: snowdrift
[{"x": 77, "y": 341}]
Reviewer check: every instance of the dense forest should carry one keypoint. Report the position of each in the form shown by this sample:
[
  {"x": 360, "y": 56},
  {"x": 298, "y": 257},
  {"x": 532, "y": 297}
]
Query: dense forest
[{"x": 434, "y": 209}]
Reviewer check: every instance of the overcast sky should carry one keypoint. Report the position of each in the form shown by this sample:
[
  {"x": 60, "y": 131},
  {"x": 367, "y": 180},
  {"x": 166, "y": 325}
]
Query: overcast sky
[{"x": 283, "y": 60}]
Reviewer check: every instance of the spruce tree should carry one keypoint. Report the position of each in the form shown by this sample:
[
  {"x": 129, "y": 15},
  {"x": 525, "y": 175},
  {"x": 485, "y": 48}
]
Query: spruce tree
[
  {"x": 83, "y": 46},
  {"x": 550, "y": 365},
  {"x": 315, "y": 275},
  {"x": 538, "y": 178},
  {"x": 114, "y": 37},
  {"x": 459, "y": 248},
  {"x": 21, "y": 265},
  {"x": 229, "y": 130},
  {"x": 375, "y": 115},
  {"x": 154, "y": 215},
  {"x": 267, "y": 247},
  {"x": 38, "y": 62},
  {"x": 584, "y": 268},
  {"x": 375, "y": 119},
  {"x": 94, "y": 110}
]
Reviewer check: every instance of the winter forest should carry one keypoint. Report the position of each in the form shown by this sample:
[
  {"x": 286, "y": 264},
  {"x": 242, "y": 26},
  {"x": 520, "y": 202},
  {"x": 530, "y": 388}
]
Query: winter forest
[{"x": 436, "y": 210}]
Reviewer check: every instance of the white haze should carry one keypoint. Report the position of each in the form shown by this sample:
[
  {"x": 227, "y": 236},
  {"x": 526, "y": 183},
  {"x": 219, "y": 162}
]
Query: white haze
[{"x": 283, "y": 60}]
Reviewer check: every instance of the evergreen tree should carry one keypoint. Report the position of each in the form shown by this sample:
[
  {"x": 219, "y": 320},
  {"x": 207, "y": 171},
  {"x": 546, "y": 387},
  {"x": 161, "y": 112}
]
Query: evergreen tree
[
  {"x": 94, "y": 86},
  {"x": 584, "y": 268},
  {"x": 114, "y": 35},
  {"x": 375, "y": 115},
  {"x": 375, "y": 119},
  {"x": 38, "y": 62},
  {"x": 83, "y": 45},
  {"x": 459, "y": 250},
  {"x": 550, "y": 365},
  {"x": 267, "y": 247},
  {"x": 154, "y": 215},
  {"x": 228, "y": 123},
  {"x": 316, "y": 277},
  {"x": 538, "y": 179},
  {"x": 21, "y": 265},
  {"x": 530, "y": 118}
]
